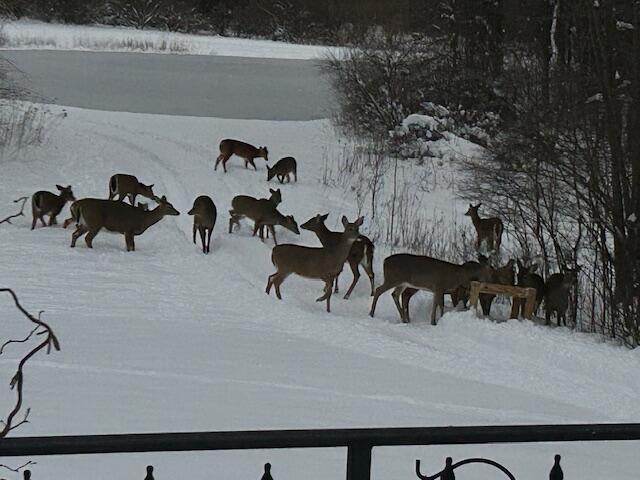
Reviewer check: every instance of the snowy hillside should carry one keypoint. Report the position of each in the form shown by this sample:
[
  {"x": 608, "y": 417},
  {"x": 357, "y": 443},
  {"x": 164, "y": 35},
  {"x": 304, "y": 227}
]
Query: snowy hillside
[{"x": 168, "y": 339}]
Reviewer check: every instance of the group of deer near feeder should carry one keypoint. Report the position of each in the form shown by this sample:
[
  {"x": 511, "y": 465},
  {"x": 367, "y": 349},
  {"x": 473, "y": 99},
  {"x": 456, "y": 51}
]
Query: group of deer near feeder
[{"x": 403, "y": 273}]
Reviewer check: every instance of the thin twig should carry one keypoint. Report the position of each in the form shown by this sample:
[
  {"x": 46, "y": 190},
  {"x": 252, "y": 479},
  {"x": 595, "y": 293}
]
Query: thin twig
[
  {"x": 17, "y": 382},
  {"x": 19, "y": 214},
  {"x": 17, "y": 469}
]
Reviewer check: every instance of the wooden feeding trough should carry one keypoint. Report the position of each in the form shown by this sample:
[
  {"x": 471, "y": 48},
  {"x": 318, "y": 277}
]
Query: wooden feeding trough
[{"x": 519, "y": 295}]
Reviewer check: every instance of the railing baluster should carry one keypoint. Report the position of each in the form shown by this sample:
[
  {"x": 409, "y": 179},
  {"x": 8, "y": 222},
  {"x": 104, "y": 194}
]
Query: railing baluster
[{"x": 359, "y": 461}]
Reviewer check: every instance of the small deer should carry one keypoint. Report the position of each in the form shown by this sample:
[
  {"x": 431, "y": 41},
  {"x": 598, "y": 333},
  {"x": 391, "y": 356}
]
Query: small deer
[
  {"x": 124, "y": 185},
  {"x": 322, "y": 263},
  {"x": 93, "y": 214},
  {"x": 556, "y": 294},
  {"x": 361, "y": 252},
  {"x": 47, "y": 203},
  {"x": 425, "y": 273},
  {"x": 204, "y": 219},
  {"x": 528, "y": 279},
  {"x": 263, "y": 212},
  {"x": 282, "y": 169},
  {"x": 489, "y": 230},
  {"x": 504, "y": 275},
  {"x": 248, "y": 152},
  {"x": 458, "y": 294}
]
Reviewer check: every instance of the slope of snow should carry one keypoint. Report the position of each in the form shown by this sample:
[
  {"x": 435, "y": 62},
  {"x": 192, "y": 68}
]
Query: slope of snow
[
  {"x": 168, "y": 339},
  {"x": 31, "y": 34}
]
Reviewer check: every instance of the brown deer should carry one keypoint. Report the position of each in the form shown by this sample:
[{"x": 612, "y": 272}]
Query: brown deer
[
  {"x": 489, "y": 230},
  {"x": 204, "y": 219},
  {"x": 425, "y": 273},
  {"x": 458, "y": 294},
  {"x": 248, "y": 152},
  {"x": 504, "y": 275},
  {"x": 124, "y": 185},
  {"x": 322, "y": 263},
  {"x": 556, "y": 294},
  {"x": 361, "y": 252},
  {"x": 93, "y": 214},
  {"x": 527, "y": 278},
  {"x": 282, "y": 169},
  {"x": 47, "y": 203},
  {"x": 263, "y": 212}
]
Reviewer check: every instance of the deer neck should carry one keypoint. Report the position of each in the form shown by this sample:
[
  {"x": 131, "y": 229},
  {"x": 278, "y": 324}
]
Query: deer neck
[
  {"x": 341, "y": 249},
  {"x": 149, "y": 218},
  {"x": 475, "y": 219},
  {"x": 324, "y": 234}
]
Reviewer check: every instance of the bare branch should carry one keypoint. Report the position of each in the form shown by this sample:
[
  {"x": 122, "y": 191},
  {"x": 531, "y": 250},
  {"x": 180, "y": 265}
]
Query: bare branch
[
  {"x": 17, "y": 469},
  {"x": 17, "y": 382},
  {"x": 19, "y": 214}
]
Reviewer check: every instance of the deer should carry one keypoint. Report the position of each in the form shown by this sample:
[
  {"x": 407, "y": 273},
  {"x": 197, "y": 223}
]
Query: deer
[
  {"x": 204, "y": 219},
  {"x": 489, "y": 230},
  {"x": 457, "y": 294},
  {"x": 527, "y": 278},
  {"x": 93, "y": 214},
  {"x": 556, "y": 294},
  {"x": 263, "y": 212},
  {"x": 282, "y": 169},
  {"x": 47, "y": 203},
  {"x": 504, "y": 275},
  {"x": 128, "y": 186},
  {"x": 361, "y": 252},
  {"x": 318, "y": 263},
  {"x": 405, "y": 270},
  {"x": 248, "y": 152}
]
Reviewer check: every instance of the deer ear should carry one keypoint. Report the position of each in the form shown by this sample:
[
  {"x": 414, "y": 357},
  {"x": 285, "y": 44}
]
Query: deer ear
[
  {"x": 360, "y": 221},
  {"x": 272, "y": 191},
  {"x": 60, "y": 187},
  {"x": 345, "y": 222},
  {"x": 151, "y": 186},
  {"x": 163, "y": 198},
  {"x": 323, "y": 217}
]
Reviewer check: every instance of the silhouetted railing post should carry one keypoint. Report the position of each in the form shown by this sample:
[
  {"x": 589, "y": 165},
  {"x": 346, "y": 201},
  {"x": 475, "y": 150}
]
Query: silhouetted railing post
[{"x": 359, "y": 461}]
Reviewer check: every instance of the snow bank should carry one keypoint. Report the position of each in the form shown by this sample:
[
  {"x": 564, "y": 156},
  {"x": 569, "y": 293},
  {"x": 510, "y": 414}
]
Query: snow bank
[
  {"x": 168, "y": 339},
  {"x": 39, "y": 35}
]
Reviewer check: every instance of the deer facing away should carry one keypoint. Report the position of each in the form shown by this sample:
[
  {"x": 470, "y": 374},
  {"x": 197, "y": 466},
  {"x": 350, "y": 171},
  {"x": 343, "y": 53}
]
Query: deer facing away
[
  {"x": 124, "y": 185},
  {"x": 47, "y": 203},
  {"x": 425, "y": 273},
  {"x": 489, "y": 230},
  {"x": 244, "y": 150},
  {"x": 361, "y": 252},
  {"x": 527, "y": 278},
  {"x": 93, "y": 214},
  {"x": 283, "y": 169},
  {"x": 263, "y": 212},
  {"x": 322, "y": 263},
  {"x": 556, "y": 295},
  {"x": 204, "y": 219}
]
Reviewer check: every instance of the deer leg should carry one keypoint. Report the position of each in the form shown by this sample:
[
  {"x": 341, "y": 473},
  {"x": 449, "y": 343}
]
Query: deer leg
[
  {"x": 209, "y": 240},
  {"x": 88, "y": 239},
  {"x": 52, "y": 220},
  {"x": 132, "y": 198},
  {"x": 35, "y": 219},
  {"x": 273, "y": 233},
  {"x": 328, "y": 290},
  {"x": 547, "y": 316},
  {"x": 406, "y": 297},
  {"x": 280, "y": 178},
  {"x": 128, "y": 238},
  {"x": 438, "y": 301},
  {"x": 218, "y": 160},
  {"x": 80, "y": 230},
  {"x": 252, "y": 164},
  {"x": 295, "y": 176},
  {"x": 396, "y": 294},
  {"x": 194, "y": 233},
  {"x": 356, "y": 276},
  {"x": 121, "y": 197},
  {"x": 277, "y": 282},
  {"x": 224, "y": 163},
  {"x": 379, "y": 291},
  {"x": 203, "y": 239},
  {"x": 257, "y": 228}
]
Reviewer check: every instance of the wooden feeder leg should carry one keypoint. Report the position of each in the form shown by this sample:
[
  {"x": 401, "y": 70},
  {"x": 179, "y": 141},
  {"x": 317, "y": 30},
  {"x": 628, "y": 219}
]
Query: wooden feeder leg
[
  {"x": 515, "y": 307},
  {"x": 474, "y": 295}
]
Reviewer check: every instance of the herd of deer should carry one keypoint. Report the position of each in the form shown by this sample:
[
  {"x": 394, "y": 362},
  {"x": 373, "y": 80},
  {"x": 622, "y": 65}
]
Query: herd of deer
[{"x": 404, "y": 273}]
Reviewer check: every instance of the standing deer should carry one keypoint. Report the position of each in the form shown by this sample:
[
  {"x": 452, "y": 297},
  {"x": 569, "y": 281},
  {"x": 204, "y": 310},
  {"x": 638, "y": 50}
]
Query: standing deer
[
  {"x": 125, "y": 185},
  {"x": 204, "y": 219},
  {"x": 282, "y": 169},
  {"x": 47, "y": 203},
  {"x": 458, "y": 294},
  {"x": 93, "y": 214},
  {"x": 489, "y": 230},
  {"x": 322, "y": 263},
  {"x": 263, "y": 212},
  {"x": 248, "y": 152},
  {"x": 361, "y": 252},
  {"x": 556, "y": 294},
  {"x": 504, "y": 275},
  {"x": 528, "y": 279},
  {"x": 425, "y": 273}
]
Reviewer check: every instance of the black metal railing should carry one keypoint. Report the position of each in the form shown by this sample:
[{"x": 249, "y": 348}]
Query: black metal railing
[{"x": 359, "y": 442}]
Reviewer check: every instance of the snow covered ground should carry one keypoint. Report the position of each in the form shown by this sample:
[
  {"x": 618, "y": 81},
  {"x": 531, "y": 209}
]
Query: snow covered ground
[
  {"x": 31, "y": 35},
  {"x": 168, "y": 339}
]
